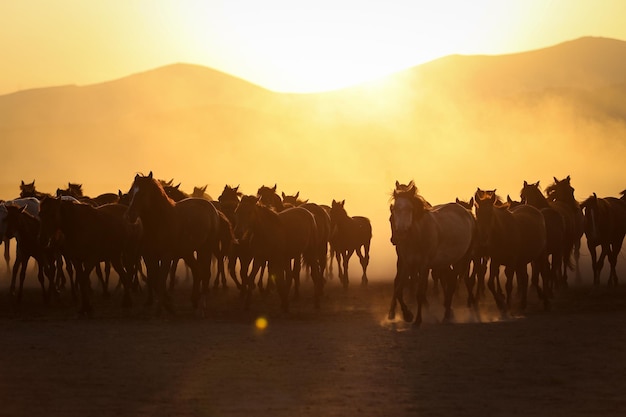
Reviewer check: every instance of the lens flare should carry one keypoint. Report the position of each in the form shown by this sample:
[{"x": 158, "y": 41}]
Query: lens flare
[{"x": 261, "y": 323}]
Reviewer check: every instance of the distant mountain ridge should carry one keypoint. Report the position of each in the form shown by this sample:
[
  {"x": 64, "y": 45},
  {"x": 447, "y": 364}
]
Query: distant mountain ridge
[{"x": 202, "y": 122}]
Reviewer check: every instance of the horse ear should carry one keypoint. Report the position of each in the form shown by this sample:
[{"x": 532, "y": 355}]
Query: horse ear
[
  {"x": 282, "y": 194},
  {"x": 508, "y": 198},
  {"x": 305, "y": 201},
  {"x": 397, "y": 183},
  {"x": 492, "y": 197},
  {"x": 343, "y": 202},
  {"x": 555, "y": 180},
  {"x": 471, "y": 201},
  {"x": 537, "y": 184},
  {"x": 525, "y": 184},
  {"x": 150, "y": 175},
  {"x": 274, "y": 187},
  {"x": 297, "y": 194},
  {"x": 568, "y": 178},
  {"x": 23, "y": 182},
  {"x": 119, "y": 192}
]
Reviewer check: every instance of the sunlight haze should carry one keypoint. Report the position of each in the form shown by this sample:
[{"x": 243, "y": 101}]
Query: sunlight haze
[{"x": 280, "y": 45}]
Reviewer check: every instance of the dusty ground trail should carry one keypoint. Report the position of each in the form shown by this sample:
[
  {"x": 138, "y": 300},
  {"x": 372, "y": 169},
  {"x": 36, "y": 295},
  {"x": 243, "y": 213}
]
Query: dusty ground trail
[{"x": 345, "y": 360}]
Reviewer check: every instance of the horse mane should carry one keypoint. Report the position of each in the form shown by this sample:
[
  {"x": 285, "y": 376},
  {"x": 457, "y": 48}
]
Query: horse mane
[
  {"x": 410, "y": 192},
  {"x": 156, "y": 185}
]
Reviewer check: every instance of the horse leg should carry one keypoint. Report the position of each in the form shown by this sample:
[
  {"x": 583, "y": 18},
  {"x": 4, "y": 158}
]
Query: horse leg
[
  {"x": 172, "y": 274},
  {"x": 125, "y": 279},
  {"x": 616, "y": 247},
  {"x": 339, "y": 257},
  {"x": 422, "y": 287},
  {"x": 364, "y": 259},
  {"x": 7, "y": 255},
  {"x": 509, "y": 273},
  {"x": 16, "y": 265},
  {"x": 494, "y": 272},
  {"x": 83, "y": 281},
  {"x": 522, "y": 283},
  {"x": 103, "y": 283},
  {"x": 605, "y": 251},
  {"x": 448, "y": 279},
  {"x": 23, "y": 266},
  {"x": 42, "y": 282},
  {"x": 346, "y": 261},
  {"x": 295, "y": 275}
]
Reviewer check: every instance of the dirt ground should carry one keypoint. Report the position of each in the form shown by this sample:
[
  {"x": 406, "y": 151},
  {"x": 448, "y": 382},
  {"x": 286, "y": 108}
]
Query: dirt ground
[{"x": 345, "y": 360}]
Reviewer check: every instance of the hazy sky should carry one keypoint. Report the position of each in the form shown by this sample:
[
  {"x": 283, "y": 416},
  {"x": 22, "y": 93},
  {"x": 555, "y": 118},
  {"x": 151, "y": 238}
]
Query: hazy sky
[{"x": 283, "y": 45}]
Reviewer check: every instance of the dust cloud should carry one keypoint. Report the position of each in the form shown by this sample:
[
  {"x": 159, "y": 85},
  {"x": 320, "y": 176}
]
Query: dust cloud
[{"x": 347, "y": 145}]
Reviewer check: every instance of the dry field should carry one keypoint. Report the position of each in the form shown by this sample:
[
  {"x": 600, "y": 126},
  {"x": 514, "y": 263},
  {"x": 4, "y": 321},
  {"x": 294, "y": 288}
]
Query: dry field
[{"x": 345, "y": 360}]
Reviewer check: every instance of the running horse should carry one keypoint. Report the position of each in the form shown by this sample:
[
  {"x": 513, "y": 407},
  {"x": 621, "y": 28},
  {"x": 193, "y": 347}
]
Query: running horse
[
  {"x": 438, "y": 239},
  {"x": 187, "y": 229},
  {"x": 512, "y": 238},
  {"x": 605, "y": 226},
  {"x": 561, "y": 193},
  {"x": 279, "y": 239},
  {"x": 559, "y": 244},
  {"x": 87, "y": 237},
  {"x": 349, "y": 234}
]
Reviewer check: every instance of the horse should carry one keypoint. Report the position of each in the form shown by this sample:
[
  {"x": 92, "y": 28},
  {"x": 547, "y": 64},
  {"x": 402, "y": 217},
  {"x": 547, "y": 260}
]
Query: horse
[
  {"x": 605, "y": 226},
  {"x": 559, "y": 244},
  {"x": 348, "y": 234},
  {"x": 29, "y": 190},
  {"x": 187, "y": 229},
  {"x": 561, "y": 193},
  {"x": 512, "y": 238},
  {"x": 479, "y": 259},
  {"x": 438, "y": 239},
  {"x": 228, "y": 201},
  {"x": 32, "y": 207},
  {"x": 24, "y": 227},
  {"x": 87, "y": 237},
  {"x": 278, "y": 238},
  {"x": 322, "y": 220}
]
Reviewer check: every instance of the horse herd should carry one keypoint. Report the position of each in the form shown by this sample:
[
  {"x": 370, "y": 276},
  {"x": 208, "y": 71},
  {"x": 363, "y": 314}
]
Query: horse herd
[
  {"x": 155, "y": 225},
  {"x": 544, "y": 231}
]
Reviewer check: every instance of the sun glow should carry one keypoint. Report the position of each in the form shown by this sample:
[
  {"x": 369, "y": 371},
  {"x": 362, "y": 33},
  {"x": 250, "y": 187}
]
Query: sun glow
[{"x": 298, "y": 46}]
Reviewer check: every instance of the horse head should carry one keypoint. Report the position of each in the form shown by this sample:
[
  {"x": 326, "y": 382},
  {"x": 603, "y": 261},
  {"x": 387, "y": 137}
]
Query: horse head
[
  {"x": 246, "y": 216},
  {"x": 269, "y": 198},
  {"x": 561, "y": 190}
]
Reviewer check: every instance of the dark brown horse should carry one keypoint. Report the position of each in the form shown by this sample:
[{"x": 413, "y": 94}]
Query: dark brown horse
[
  {"x": 438, "y": 239},
  {"x": 29, "y": 190},
  {"x": 87, "y": 236},
  {"x": 282, "y": 240},
  {"x": 187, "y": 229},
  {"x": 513, "y": 239},
  {"x": 24, "y": 227},
  {"x": 240, "y": 250},
  {"x": 605, "y": 226},
  {"x": 349, "y": 234},
  {"x": 269, "y": 197},
  {"x": 559, "y": 244},
  {"x": 561, "y": 193}
]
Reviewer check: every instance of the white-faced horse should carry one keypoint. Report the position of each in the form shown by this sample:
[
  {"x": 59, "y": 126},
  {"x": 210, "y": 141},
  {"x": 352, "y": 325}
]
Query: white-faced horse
[{"x": 438, "y": 239}]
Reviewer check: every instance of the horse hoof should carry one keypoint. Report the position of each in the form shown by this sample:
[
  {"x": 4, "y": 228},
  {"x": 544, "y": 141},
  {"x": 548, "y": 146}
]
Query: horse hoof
[
  {"x": 391, "y": 315},
  {"x": 408, "y": 316}
]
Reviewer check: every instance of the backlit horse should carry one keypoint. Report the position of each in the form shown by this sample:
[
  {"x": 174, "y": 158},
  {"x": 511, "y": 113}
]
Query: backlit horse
[
  {"x": 561, "y": 193},
  {"x": 32, "y": 207},
  {"x": 269, "y": 196},
  {"x": 559, "y": 244},
  {"x": 187, "y": 229},
  {"x": 87, "y": 237},
  {"x": 605, "y": 226},
  {"x": 513, "y": 239},
  {"x": 24, "y": 227},
  {"x": 282, "y": 240},
  {"x": 349, "y": 234},
  {"x": 438, "y": 239}
]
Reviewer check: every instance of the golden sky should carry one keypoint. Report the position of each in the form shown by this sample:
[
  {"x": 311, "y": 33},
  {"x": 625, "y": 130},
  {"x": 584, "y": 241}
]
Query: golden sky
[{"x": 283, "y": 45}]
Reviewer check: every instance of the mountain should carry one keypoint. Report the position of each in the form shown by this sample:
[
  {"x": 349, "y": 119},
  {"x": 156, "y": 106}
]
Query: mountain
[{"x": 452, "y": 123}]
